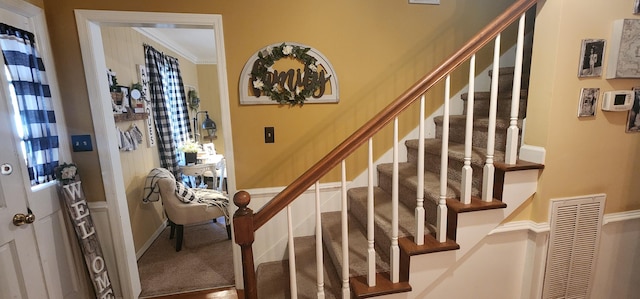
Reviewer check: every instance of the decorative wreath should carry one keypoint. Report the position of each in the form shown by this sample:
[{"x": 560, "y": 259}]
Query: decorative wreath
[
  {"x": 281, "y": 93},
  {"x": 66, "y": 173}
]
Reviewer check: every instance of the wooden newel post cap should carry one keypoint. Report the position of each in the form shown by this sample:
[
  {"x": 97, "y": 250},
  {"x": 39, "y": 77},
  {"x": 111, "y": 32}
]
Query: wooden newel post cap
[{"x": 242, "y": 199}]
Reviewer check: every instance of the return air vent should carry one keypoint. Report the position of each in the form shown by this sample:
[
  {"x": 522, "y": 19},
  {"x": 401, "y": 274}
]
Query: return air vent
[{"x": 573, "y": 245}]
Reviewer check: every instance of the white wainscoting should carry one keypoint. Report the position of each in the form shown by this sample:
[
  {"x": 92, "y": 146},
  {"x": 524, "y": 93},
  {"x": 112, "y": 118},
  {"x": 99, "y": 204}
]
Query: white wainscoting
[
  {"x": 271, "y": 239},
  {"x": 100, "y": 215}
]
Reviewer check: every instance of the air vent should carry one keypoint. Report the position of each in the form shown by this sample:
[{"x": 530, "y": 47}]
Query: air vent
[{"x": 573, "y": 245}]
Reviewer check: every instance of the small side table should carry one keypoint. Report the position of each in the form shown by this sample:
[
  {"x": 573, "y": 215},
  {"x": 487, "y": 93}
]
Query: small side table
[{"x": 198, "y": 170}]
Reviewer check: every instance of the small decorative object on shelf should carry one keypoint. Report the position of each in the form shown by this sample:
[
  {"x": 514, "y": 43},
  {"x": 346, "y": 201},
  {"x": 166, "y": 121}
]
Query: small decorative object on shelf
[{"x": 190, "y": 150}]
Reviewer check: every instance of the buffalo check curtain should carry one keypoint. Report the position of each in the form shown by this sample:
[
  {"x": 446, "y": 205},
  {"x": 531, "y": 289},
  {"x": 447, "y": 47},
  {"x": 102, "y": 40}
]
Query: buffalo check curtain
[
  {"x": 169, "y": 105},
  {"x": 31, "y": 102}
]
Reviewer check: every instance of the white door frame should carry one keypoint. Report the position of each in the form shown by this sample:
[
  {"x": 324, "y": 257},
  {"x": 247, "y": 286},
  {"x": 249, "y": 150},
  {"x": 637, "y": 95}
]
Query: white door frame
[{"x": 89, "y": 33}]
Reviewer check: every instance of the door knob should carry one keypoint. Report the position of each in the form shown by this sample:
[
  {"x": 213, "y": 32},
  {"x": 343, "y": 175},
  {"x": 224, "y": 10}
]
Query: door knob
[{"x": 21, "y": 219}]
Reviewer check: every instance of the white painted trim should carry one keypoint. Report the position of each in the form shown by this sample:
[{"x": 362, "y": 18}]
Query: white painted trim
[
  {"x": 532, "y": 153},
  {"x": 89, "y": 34},
  {"x": 273, "y": 191},
  {"x": 151, "y": 239},
  {"x": 621, "y": 216}
]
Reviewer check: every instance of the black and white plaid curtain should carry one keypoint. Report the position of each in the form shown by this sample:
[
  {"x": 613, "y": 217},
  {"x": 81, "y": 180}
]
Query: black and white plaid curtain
[
  {"x": 31, "y": 96},
  {"x": 169, "y": 104}
]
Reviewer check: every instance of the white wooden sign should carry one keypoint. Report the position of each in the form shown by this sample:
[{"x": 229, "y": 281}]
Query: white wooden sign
[{"x": 78, "y": 210}]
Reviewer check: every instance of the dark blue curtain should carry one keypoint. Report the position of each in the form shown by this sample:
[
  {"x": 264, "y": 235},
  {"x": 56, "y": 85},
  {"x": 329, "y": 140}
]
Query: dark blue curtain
[{"x": 31, "y": 98}]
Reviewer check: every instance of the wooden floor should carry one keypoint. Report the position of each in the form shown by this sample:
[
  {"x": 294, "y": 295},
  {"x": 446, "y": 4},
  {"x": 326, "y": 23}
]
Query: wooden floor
[{"x": 230, "y": 293}]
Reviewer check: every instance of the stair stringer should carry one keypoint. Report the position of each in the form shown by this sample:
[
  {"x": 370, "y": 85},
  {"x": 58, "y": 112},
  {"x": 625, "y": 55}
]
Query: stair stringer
[{"x": 427, "y": 270}]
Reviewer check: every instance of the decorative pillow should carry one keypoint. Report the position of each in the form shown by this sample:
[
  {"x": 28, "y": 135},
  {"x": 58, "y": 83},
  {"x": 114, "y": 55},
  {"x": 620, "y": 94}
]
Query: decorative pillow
[{"x": 185, "y": 194}]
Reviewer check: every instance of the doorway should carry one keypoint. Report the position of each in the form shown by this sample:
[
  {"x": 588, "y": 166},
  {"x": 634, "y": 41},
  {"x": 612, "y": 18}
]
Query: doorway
[{"x": 89, "y": 30}]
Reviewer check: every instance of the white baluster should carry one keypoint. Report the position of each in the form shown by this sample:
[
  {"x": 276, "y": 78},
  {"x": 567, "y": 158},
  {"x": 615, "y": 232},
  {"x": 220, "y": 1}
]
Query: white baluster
[
  {"x": 371, "y": 252},
  {"x": 346, "y": 293},
  {"x": 395, "y": 250},
  {"x": 489, "y": 169},
  {"x": 319, "y": 253},
  {"x": 419, "y": 213},
  {"x": 293, "y": 283},
  {"x": 511, "y": 152},
  {"x": 467, "y": 171},
  {"x": 441, "y": 233}
]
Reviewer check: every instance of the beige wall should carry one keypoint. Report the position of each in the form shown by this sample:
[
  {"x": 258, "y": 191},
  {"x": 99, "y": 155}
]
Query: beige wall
[
  {"x": 586, "y": 155},
  {"x": 377, "y": 49},
  {"x": 123, "y": 48}
]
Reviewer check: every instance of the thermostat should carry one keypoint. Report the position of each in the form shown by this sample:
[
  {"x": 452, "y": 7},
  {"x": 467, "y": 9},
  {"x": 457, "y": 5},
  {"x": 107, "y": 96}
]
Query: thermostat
[{"x": 617, "y": 100}]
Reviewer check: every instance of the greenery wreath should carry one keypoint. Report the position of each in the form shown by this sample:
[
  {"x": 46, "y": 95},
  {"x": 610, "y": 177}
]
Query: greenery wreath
[{"x": 281, "y": 93}]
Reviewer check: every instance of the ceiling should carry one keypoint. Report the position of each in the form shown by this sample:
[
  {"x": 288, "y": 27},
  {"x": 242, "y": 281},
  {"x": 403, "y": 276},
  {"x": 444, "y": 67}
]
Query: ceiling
[{"x": 197, "y": 45}]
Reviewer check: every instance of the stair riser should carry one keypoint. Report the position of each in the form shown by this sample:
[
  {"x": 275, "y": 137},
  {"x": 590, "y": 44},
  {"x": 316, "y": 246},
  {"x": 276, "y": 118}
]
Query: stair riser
[
  {"x": 505, "y": 80},
  {"x": 478, "y": 137},
  {"x": 481, "y": 108},
  {"x": 407, "y": 197}
]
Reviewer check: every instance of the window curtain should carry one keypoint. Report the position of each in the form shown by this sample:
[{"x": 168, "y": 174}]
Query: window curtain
[
  {"x": 32, "y": 102},
  {"x": 169, "y": 104}
]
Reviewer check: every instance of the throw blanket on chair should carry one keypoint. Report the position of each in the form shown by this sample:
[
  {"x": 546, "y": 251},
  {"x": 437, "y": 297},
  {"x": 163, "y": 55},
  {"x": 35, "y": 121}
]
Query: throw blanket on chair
[{"x": 186, "y": 195}]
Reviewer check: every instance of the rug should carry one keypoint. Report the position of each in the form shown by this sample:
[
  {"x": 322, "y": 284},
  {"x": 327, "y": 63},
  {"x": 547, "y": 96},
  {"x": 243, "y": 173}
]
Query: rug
[{"x": 205, "y": 261}]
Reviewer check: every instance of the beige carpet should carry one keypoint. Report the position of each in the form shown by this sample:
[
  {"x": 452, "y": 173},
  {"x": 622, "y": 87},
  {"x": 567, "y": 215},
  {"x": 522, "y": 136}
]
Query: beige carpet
[{"x": 205, "y": 261}]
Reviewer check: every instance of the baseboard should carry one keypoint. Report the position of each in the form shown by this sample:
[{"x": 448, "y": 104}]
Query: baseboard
[
  {"x": 151, "y": 239},
  {"x": 531, "y": 153}
]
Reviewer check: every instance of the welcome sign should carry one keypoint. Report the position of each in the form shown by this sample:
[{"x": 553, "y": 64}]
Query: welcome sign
[
  {"x": 78, "y": 210},
  {"x": 288, "y": 73}
]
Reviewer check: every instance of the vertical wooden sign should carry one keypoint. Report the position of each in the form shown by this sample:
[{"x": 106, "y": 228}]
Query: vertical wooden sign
[{"x": 75, "y": 203}]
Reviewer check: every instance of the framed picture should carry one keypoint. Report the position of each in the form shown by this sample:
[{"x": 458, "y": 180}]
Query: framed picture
[
  {"x": 588, "y": 102},
  {"x": 633, "y": 118},
  {"x": 636, "y": 7},
  {"x": 591, "y": 55}
]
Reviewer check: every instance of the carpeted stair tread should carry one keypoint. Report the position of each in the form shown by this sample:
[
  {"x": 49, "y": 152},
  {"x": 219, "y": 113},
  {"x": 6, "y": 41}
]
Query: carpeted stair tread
[
  {"x": 486, "y": 95},
  {"x": 456, "y": 151},
  {"x": 274, "y": 276},
  {"x": 482, "y": 122},
  {"x": 407, "y": 177},
  {"x": 382, "y": 216},
  {"x": 358, "y": 244}
]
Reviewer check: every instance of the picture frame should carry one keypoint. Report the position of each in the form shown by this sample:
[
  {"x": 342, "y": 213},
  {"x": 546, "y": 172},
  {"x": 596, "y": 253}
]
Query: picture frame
[
  {"x": 125, "y": 97},
  {"x": 636, "y": 7},
  {"x": 633, "y": 116},
  {"x": 591, "y": 56},
  {"x": 588, "y": 102}
]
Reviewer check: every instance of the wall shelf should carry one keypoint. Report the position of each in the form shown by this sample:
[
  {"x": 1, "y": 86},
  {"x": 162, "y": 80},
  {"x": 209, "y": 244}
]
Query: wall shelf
[{"x": 130, "y": 116}]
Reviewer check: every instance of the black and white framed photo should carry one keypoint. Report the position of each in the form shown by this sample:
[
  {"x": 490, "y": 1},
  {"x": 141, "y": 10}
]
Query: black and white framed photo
[
  {"x": 636, "y": 7},
  {"x": 591, "y": 55},
  {"x": 588, "y": 102},
  {"x": 633, "y": 118}
]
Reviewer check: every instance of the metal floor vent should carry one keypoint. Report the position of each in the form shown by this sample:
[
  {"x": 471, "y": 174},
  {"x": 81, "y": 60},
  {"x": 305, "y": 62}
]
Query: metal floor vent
[{"x": 573, "y": 245}]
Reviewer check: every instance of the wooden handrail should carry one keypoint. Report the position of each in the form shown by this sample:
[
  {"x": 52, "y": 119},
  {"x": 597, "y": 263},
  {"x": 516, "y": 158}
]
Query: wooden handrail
[{"x": 349, "y": 145}]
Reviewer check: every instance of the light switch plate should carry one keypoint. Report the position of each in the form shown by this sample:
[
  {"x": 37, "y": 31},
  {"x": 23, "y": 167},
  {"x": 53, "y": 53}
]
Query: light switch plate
[{"x": 81, "y": 143}]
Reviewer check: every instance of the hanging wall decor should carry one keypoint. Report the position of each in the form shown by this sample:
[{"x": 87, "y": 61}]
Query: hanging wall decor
[
  {"x": 624, "y": 55},
  {"x": 288, "y": 74}
]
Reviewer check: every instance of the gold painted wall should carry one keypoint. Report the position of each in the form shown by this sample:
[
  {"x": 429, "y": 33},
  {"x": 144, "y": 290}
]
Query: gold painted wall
[
  {"x": 586, "y": 155},
  {"x": 378, "y": 49},
  {"x": 123, "y": 49}
]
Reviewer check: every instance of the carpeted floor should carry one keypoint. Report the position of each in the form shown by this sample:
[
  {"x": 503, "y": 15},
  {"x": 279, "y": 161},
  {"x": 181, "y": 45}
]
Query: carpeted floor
[{"x": 205, "y": 261}]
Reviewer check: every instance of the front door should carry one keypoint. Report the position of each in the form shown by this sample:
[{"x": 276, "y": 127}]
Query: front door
[{"x": 36, "y": 253}]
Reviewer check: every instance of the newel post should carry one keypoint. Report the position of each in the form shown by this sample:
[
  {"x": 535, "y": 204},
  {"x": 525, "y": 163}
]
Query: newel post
[{"x": 244, "y": 235}]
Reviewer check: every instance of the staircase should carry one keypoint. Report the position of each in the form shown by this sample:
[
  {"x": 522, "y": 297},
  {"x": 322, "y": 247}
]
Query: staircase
[
  {"x": 273, "y": 277},
  {"x": 464, "y": 191}
]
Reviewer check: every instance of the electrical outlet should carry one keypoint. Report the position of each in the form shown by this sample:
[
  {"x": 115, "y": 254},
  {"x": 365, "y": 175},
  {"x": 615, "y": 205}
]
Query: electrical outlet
[
  {"x": 81, "y": 143},
  {"x": 269, "y": 136}
]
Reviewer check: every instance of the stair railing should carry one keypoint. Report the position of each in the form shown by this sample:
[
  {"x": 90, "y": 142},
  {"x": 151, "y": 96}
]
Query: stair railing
[{"x": 246, "y": 222}]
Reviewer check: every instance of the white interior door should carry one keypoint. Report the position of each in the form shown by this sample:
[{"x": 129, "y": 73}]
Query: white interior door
[{"x": 36, "y": 256}]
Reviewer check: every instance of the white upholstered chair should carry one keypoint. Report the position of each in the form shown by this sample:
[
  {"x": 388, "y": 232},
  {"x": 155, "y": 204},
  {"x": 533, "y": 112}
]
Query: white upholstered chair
[{"x": 182, "y": 213}]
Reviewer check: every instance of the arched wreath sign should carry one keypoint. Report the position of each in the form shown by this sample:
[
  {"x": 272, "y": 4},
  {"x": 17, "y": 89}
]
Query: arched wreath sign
[{"x": 288, "y": 74}]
